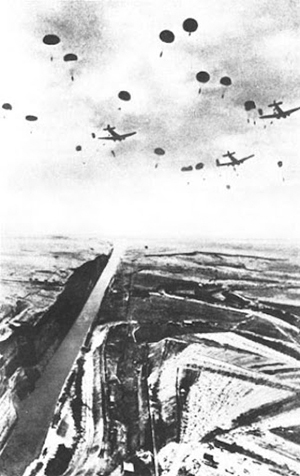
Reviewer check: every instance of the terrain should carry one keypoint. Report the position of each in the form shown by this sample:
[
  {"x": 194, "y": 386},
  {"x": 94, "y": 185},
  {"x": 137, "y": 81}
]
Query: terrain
[{"x": 192, "y": 367}]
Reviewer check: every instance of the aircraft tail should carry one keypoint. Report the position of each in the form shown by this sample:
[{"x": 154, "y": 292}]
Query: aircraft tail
[
  {"x": 108, "y": 128},
  {"x": 275, "y": 104},
  {"x": 228, "y": 154}
]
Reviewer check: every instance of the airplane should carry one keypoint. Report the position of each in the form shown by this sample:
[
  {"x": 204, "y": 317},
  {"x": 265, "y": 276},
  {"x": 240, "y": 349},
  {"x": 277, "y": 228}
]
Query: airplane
[
  {"x": 233, "y": 160},
  {"x": 278, "y": 113},
  {"x": 114, "y": 135}
]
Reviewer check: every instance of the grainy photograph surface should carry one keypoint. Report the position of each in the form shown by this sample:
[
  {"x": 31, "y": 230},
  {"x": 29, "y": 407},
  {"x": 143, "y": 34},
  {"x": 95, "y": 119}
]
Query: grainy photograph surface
[{"x": 149, "y": 238}]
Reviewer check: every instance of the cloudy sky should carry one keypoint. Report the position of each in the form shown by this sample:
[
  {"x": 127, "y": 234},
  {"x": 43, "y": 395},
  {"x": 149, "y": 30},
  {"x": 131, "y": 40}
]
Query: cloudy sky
[{"x": 124, "y": 188}]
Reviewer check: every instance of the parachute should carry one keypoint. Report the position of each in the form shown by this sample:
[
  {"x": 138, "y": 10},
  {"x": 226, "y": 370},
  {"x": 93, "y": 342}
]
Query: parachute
[
  {"x": 167, "y": 36},
  {"x": 70, "y": 57},
  {"x": 190, "y": 25},
  {"x": 203, "y": 77},
  {"x": 31, "y": 118},
  {"x": 159, "y": 151},
  {"x": 249, "y": 105},
  {"x": 51, "y": 39},
  {"x": 124, "y": 95},
  {"x": 225, "y": 81}
]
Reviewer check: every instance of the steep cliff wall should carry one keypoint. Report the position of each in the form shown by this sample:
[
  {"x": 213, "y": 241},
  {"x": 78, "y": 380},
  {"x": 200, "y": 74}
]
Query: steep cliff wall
[{"x": 30, "y": 337}]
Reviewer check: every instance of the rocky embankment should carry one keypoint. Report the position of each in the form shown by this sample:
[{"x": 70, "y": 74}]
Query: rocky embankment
[{"x": 44, "y": 284}]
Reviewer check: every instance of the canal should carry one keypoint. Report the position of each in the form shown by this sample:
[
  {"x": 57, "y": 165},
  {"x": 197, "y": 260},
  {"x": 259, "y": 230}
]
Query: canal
[{"x": 36, "y": 411}]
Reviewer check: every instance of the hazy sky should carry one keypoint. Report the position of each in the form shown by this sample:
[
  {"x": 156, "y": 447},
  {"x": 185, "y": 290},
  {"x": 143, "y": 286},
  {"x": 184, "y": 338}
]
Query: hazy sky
[{"x": 49, "y": 187}]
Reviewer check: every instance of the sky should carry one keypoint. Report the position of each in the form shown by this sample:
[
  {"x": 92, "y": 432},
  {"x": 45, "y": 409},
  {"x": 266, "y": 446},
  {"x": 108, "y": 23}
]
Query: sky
[{"x": 124, "y": 188}]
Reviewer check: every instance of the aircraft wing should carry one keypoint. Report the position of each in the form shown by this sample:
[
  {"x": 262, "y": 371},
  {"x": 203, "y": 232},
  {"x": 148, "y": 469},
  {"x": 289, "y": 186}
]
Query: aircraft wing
[
  {"x": 107, "y": 138},
  {"x": 245, "y": 158},
  {"x": 290, "y": 111},
  {"x": 269, "y": 116},
  {"x": 123, "y": 136},
  {"x": 225, "y": 164}
]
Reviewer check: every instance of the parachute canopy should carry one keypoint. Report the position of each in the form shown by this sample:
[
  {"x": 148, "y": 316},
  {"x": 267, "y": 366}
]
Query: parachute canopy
[
  {"x": 202, "y": 77},
  {"x": 225, "y": 81},
  {"x": 190, "y": 25},
  {"x": 159, "y": 151},
  {"x": 31, "y": 118},
  {"x": 7, "y": 106},
  {"x": 51, "y": 39},
  {"x": 167, "y": 36},
  {"x": 124, "y": 95},
  {"x": 249, "y": 105},
  {"x": 187, "y": 168},
  {"x": 199, "y": 166},
  {"x": 70, "y": 57}
]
